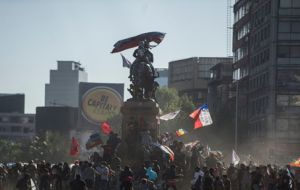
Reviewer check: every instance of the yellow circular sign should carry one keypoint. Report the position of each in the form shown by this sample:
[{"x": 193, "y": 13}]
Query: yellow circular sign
[{"x": 99, "y": 103}]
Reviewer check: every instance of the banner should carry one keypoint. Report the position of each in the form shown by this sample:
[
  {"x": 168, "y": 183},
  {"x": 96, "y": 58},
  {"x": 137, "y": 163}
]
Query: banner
[{"x": 169, "y": 116}]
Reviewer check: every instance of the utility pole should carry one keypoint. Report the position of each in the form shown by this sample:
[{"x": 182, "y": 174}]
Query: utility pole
[{"x": 236, "y": 115}]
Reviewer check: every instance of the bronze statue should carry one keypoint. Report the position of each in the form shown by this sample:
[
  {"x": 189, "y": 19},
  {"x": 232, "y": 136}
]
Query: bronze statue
[{"x": 142, "y": 73}]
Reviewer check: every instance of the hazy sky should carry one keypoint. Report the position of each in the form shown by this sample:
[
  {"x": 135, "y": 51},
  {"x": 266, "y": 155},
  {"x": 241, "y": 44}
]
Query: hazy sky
[{"x": 35, "y": 34}]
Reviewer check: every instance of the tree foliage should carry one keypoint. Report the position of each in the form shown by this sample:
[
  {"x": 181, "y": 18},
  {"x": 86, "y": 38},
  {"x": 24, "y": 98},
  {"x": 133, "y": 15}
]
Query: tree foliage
[
  {"x": 169, "y": 101},
  {"x": 50, "y": 147}
]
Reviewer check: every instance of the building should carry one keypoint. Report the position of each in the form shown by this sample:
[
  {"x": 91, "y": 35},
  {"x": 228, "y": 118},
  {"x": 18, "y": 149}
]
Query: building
[
  {"x": 56, "y": 119},
  {"x": 219, "y": 101},
  {"x": 219, "y": 86},
  {"x": 191, "y": 76},
  {"x": 266, "y": 47},
  {"x": 163, "y": 77},
  {"x": 12, "y": 103},
  {"x": 64, "y": 84},
  {"x": 17, "y": 126}
]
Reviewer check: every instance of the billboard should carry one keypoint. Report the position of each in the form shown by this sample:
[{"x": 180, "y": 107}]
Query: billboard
[{"x": 98, "y": 102}]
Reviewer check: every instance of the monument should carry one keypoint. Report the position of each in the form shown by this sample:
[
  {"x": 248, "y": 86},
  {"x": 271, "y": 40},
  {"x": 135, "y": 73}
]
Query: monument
[{"x": 140, "y": 121}]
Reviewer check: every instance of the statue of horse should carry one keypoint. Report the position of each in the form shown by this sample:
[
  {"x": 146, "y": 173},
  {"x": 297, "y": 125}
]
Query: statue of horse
[{"x": 142, "y": 75}]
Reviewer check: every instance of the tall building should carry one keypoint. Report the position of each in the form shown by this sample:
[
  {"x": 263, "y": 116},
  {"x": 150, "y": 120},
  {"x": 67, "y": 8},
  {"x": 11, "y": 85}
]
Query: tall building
[
  {"x": 17, "y": 126},
  {"x": 64, "y": 84},
  {"x": 162, "y": 80},
  {"x": 12, "y": 103},
  {"x": 190, "y": 76},
  {"x": 266, "y": 46}
]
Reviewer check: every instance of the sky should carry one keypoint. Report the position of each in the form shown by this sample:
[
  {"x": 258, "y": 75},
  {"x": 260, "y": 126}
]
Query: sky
[{"x": 34, "y": 34}]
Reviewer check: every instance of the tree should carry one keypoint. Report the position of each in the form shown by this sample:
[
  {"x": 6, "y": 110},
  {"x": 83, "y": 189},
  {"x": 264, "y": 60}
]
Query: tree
[
  {"x": 169, "y": 101},
  {"x": 10, "y": 151}
]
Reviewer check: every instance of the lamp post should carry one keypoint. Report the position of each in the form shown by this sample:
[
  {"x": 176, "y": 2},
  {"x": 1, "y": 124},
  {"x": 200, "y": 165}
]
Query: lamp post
[{"x": 236, "y": 115}]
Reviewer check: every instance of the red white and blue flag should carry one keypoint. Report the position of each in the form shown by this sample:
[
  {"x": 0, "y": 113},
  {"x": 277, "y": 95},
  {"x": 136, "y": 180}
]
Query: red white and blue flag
[
  {"x": 201, "y": 116},
  {"x": 134, "y": 41}
]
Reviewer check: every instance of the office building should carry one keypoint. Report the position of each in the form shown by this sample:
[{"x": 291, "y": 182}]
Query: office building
[
  {"x": 266, "y": 46},
  {"x": 64, "y": 84},
  {"x": 17, "y": 126},
  {"x": 12, "y": 103},
  {"x": 191, "y": 76},
  {"x": 56, "y": 119}
]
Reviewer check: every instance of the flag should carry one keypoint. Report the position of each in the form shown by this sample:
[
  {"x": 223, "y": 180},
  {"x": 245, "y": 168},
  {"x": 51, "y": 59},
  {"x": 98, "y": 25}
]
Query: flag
[
  {"x": 106, "y": 129},
  {"x": 192, "y": 144},
  {"x": 180, "y": 132},
  {"x": 296, "y": 163},
  {"x": 74, "y": 151},
  {"x": 235, "y": 158},
  {"x": 94, "y": 140},
  {"x": 169, "y": 116},
  {"x": 166, "y": 150},
  {"x": 126, "y": 62},
  {"x": 201, "y": 116},
  {"x": 134, "y": 41}
]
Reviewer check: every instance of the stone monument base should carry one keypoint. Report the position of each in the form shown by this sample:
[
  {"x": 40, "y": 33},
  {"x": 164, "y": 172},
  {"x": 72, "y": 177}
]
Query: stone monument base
[{"x": 140, "y": 126}]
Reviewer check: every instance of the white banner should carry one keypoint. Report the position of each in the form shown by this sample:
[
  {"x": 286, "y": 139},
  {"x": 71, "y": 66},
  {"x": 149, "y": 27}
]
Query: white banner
[{"x": 169, "y": 116}]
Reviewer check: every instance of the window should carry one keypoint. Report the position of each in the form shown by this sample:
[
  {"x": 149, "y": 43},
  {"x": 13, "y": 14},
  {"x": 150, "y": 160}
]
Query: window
[
  {"x": 289, "y": 3},
  {"x": 283, "y": 52},
  {"x": 288, "y": 51},
  {"x": 282, "y": 100},
  {"x": 285, "y": 3},
  {"x": 295, "y": 51},
  {"x": 296, "y": 27}
]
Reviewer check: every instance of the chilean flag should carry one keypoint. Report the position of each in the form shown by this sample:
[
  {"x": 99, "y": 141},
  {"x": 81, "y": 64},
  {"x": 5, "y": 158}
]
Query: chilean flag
[
  {"x": 201, "y": 116},
  {"x": 106, "y": 129},
  {"x": 74, "y": 150}
]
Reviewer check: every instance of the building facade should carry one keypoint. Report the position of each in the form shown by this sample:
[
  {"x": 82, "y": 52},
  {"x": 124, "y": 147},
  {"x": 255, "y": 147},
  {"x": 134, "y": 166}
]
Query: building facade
[
  {"x": 266, "y": 46},
  {"x": 17, "y": 126},
  {"x": 12, "y": 103},
  {"x": 56, "y": 119},
  {"x": 64, "y": 84},
  {"x": 191, "y": 76}
]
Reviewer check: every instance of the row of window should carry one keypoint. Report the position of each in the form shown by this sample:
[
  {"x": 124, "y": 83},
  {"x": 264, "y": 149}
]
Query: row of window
[
  {"x": 289, "y": 78},
  {"x": 261, "y": 13},
  {"x": 182, "y": 76},
  {"x": 259, "y": 106},
  {"x": 240, "y": 73},
  {"x": 260, "y": 58},
  {"x": 16, "y": 129},
  {"x": 289, "y": 27},
  {"x": 16, "y": 119},
  {"x": 259, "y": 82},
  {"x": 241, "y": 12},
  {"x": 288, "y": 100},
  {"x": 289, "y": 4},
  {"x": 288, "y": 52},
  {"x": 243, "y": 31},
  {"x": 240, "y": 53},
  {"x": 261, "y": 35}
]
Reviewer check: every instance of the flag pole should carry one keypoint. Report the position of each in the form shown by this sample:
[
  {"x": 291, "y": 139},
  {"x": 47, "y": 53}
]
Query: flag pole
[{"x": 236, "y": 114}]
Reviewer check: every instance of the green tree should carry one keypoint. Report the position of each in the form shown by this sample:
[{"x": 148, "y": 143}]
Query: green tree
[
  {"x": 169, "y": 101},
  {"x": 9, "y": 151}
]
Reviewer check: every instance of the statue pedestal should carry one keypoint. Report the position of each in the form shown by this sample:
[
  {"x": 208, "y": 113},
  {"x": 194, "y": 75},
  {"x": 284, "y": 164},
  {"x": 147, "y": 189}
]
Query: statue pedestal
[{"x": 140, "y": 119}]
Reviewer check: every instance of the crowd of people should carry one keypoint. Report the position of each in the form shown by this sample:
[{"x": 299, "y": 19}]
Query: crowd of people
[{"x": 193, "y": 167}]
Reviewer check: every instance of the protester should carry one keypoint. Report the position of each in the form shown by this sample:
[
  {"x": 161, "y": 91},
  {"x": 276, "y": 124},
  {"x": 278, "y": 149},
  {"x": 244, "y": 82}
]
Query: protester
[{"x": 77, "y": 183}]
